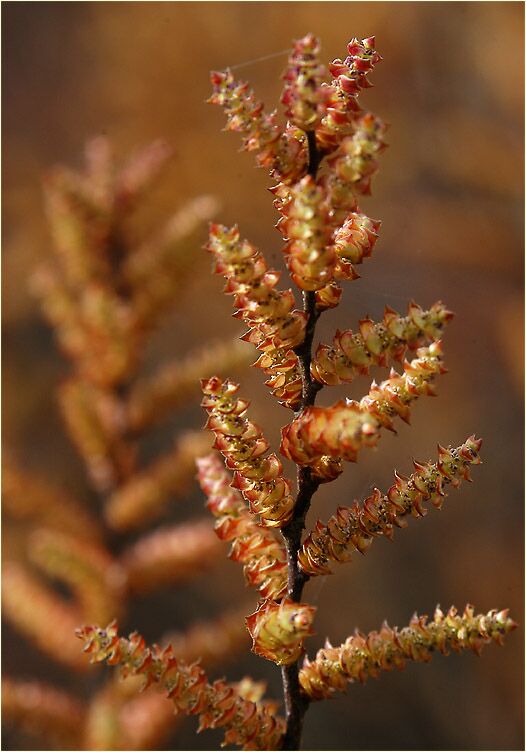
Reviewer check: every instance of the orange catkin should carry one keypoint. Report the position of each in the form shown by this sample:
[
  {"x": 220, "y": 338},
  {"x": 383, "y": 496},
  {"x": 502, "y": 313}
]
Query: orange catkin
[
  {"x": 353, "y": 528},
  {"x": 255, "y": 546},
  {"x": 362, "y": 656},
  {"x": 242, "y": 444},
  {"x": 219, "y": 705}
]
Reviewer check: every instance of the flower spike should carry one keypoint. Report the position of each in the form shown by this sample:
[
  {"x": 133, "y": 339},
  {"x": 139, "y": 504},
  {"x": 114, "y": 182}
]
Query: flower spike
[
  {"x": 342, "y": 430},
  {"x": 305, "y": 225},
  {"x": 355, "y": 527},
  {"x": 303, "y": 95},
  {"x": 353, "y": 242},
  {"x": 350, "y": 76},
  {"x": 242, "y": 444},
  {"x": 264, "y": 559},
  {"x": 362, "y": 656},
  {"x": 352, "y": 353},
  {"x": 354, "y": 163},
  {"x": 274, "y": 326},
  {"x": 269, "y": 314},
  {"x": 282, "y": 151},
  {"x": 250, "y": 725}
]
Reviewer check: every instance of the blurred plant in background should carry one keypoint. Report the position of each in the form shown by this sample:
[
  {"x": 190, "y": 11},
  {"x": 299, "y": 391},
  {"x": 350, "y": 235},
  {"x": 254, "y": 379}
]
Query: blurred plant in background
[{"x": 104, "y": 295}]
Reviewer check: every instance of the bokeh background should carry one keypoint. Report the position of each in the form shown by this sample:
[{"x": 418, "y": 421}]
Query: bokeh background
[{"x": 450, "y": 197}]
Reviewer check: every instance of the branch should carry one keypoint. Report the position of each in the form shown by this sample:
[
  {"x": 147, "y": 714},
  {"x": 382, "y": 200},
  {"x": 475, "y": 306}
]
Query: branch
[{"x": 296, "y": 703}]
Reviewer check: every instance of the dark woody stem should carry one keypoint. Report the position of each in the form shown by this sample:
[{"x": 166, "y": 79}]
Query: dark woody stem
[{"x": 296, "y": 703}]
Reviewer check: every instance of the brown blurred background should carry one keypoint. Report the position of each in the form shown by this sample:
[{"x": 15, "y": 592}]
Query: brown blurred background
[{"x": 450, "y": 197}]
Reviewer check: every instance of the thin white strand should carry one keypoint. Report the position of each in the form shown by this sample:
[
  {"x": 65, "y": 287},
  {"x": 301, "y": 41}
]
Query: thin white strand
[
  {"x": 317, "y": 586},
  {"x": 258, "y": 60}
]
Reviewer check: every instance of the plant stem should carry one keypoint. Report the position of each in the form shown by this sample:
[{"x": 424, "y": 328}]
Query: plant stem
[{"x": 296, "y": 703}]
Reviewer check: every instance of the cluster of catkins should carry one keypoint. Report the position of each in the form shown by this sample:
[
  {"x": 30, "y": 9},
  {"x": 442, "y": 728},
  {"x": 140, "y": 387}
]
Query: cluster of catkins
[
  {"x": 104, "y": 290},
  {"x": 322, "y": 160}
]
